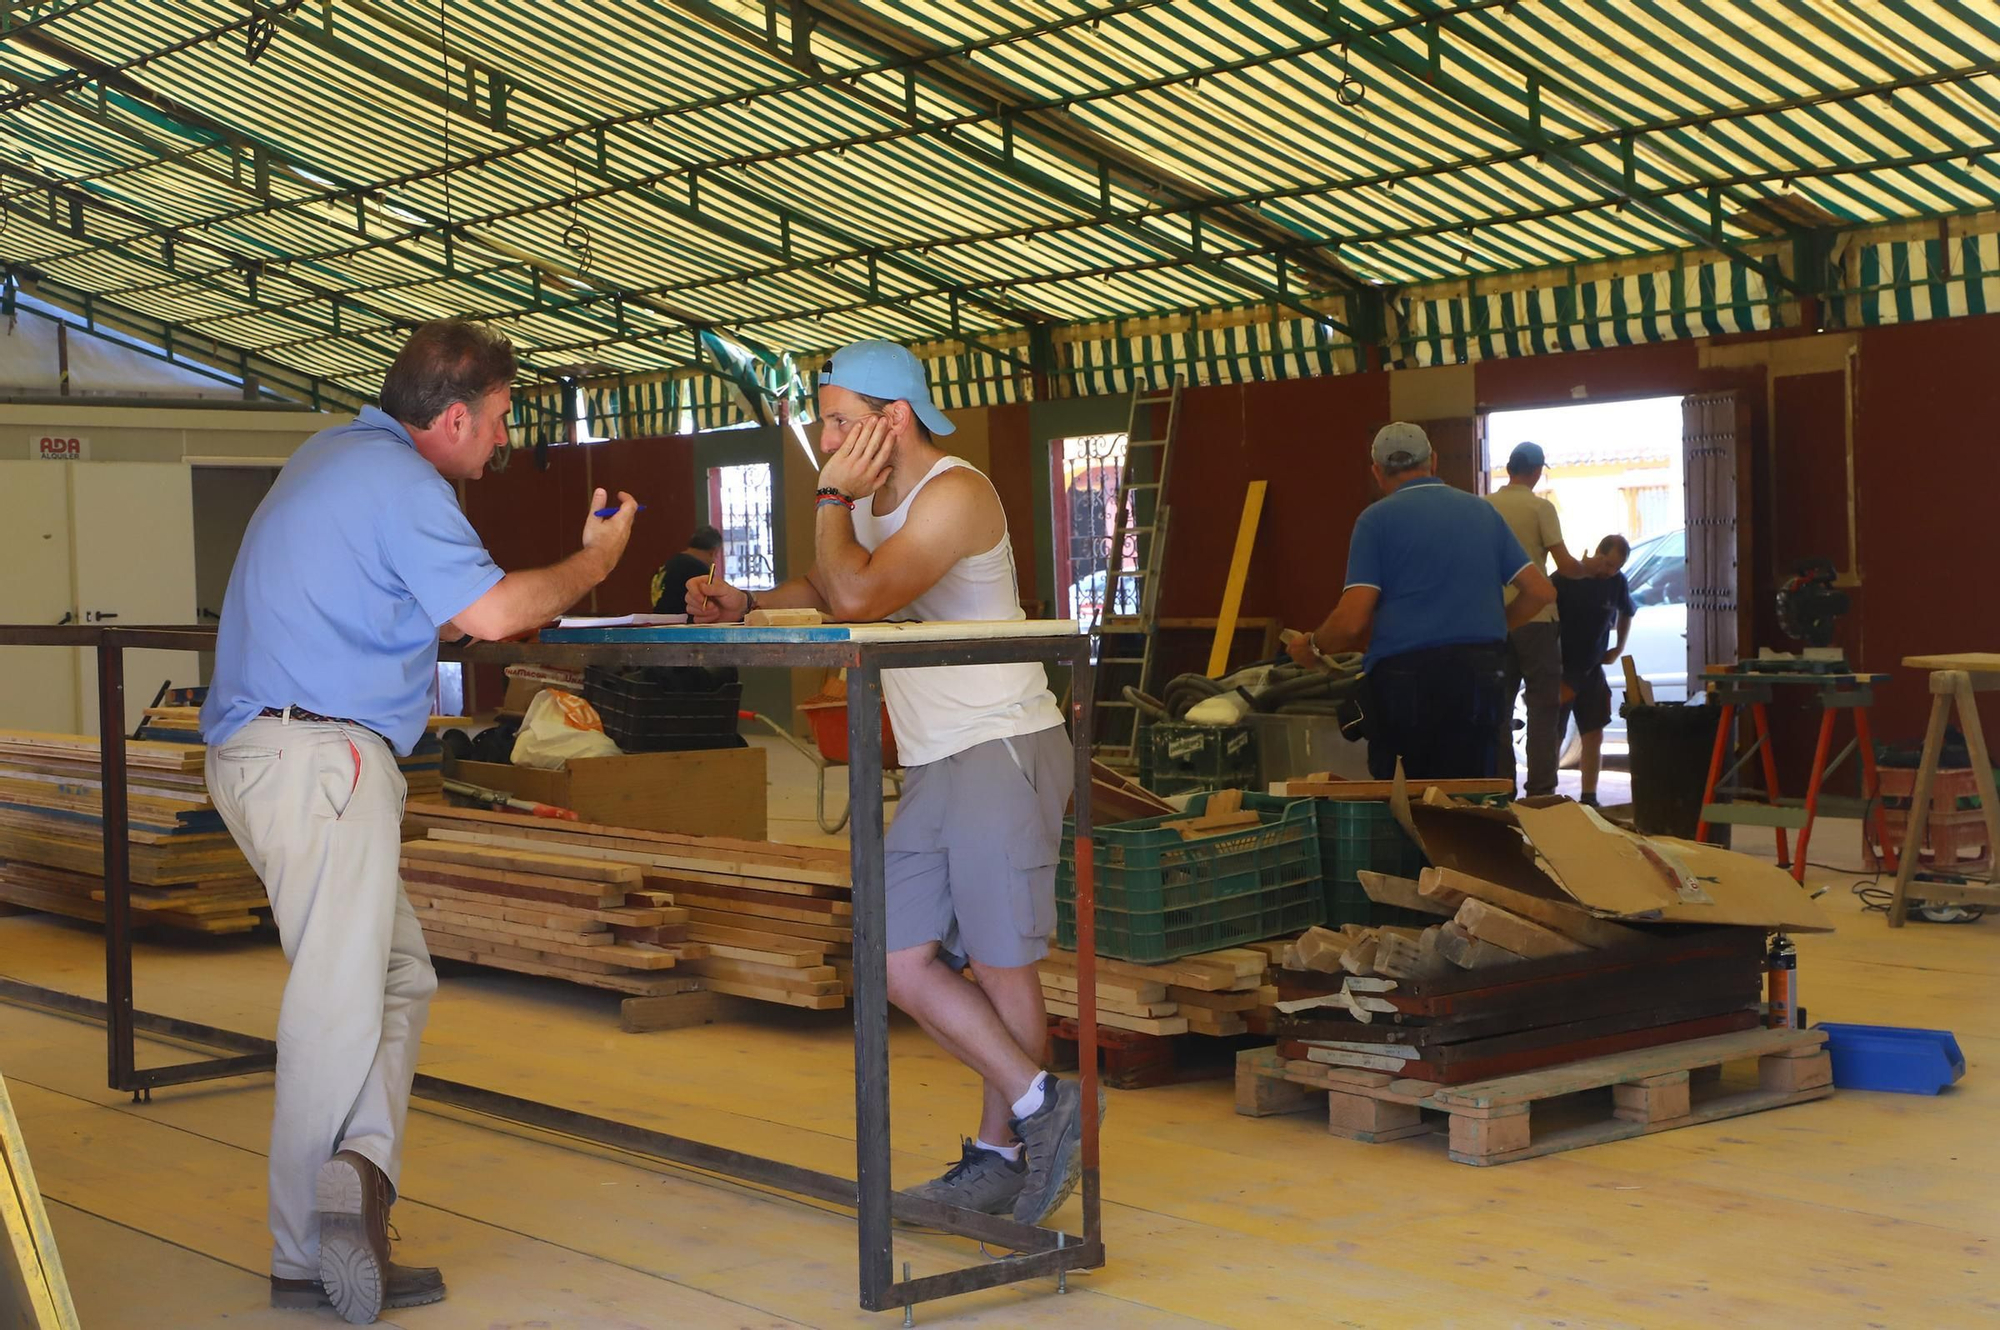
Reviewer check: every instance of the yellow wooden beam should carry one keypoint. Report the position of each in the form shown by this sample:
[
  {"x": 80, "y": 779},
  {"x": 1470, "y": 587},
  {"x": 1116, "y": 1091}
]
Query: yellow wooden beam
[{"x": 1239, "y": 572}]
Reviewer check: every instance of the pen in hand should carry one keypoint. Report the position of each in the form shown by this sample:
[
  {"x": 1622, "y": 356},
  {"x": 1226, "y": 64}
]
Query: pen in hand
[{"x": 613, "y": 511}]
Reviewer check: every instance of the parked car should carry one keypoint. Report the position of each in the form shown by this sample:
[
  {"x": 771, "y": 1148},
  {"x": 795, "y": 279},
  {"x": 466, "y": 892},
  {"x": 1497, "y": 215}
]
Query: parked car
[
  {"x": 1086, "y": 597},
  {"x": 1657, "y": 573}
]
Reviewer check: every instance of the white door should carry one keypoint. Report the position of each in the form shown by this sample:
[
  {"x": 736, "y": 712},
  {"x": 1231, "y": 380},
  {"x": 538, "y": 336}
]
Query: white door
[
  {"x": 37, "y": 684},
  {"x": 134, "y": 567}
]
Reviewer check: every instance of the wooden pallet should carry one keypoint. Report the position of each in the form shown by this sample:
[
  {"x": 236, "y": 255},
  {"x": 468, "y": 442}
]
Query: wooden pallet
[
  {"x": 1129, "y": 1060},
  {"x": 1491, "y": 1122}
]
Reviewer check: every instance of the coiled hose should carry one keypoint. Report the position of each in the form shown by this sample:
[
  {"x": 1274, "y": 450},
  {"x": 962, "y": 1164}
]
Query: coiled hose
[{"x": 1290, "y": 689}]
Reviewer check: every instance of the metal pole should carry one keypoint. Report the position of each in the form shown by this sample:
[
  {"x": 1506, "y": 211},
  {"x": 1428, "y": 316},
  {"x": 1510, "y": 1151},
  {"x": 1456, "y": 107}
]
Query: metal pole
[
  {"x": 871, "y": 986},
  {"x": 117, "y": 859},
  {"x": 1082, "y": 684}
]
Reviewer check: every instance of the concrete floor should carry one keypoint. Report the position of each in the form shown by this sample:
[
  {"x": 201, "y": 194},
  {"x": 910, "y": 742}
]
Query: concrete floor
[{"x": 1865, "y": 1209}]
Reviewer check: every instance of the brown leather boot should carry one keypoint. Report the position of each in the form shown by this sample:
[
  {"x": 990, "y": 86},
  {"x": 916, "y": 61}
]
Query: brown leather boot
[{"x": 355, "y": 1275}]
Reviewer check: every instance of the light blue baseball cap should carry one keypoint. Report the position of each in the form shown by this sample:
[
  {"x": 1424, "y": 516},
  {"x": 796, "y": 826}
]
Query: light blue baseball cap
[{"x": 889, "y": 371}]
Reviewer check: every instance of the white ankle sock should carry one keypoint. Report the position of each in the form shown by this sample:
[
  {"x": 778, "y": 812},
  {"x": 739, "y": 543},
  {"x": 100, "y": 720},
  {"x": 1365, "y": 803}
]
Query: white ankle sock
[
  {"x": 1031, "y": 1099},
  {"x": 1010, "y": 1153}
]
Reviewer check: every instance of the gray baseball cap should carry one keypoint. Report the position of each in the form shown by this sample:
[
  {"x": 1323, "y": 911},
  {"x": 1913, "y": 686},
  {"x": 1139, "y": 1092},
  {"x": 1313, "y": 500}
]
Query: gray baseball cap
[
  {"x": 1527, "y": 457},
  {"x": 1400, "y": 446}
]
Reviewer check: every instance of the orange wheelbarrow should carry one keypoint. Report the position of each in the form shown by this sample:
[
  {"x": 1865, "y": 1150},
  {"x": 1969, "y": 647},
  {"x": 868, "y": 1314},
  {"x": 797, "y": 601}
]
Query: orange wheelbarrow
[{"x": 828, "y": 718}]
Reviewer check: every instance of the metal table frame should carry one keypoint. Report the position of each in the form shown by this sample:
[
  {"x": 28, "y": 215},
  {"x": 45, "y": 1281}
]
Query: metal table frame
[{"x": 1043, "y": 1252}]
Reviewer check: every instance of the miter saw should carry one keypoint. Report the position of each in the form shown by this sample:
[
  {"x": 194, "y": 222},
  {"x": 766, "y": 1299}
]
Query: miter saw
[{"x": 1808, "y": 603}]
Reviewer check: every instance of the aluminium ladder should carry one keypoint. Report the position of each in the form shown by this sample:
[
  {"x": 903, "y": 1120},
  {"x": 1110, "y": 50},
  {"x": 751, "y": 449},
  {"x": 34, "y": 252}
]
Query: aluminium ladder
[{"x": 1124, "y": 636}]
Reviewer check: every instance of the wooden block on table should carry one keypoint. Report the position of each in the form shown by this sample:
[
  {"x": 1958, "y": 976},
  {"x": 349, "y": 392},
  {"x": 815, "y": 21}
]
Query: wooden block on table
[
  {"x": 1401, "y": 957},
  {"x": 784, "y": 618},
  {"x": 1359, "y": 958},
  {"x": 1523, "y": 937},
  {"x": 1218, "y": 1023},
  {"x": 1247, "y": 962},
  {"x": 1319, "y": 950}
]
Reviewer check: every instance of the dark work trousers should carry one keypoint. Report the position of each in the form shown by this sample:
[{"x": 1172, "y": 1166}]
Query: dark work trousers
[
  {"x": 1534, "y": 657},
  {"x": 1439, "y": 710}
]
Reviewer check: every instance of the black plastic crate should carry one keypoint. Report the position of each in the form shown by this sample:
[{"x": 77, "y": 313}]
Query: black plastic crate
[
  {"x": 1179, "y": 758},
  {"x": 645, "y": 716}
]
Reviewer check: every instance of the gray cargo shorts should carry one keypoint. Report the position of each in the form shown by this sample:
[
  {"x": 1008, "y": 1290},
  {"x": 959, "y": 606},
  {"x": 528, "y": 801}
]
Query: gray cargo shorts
[{"x": 970, "y": 860}]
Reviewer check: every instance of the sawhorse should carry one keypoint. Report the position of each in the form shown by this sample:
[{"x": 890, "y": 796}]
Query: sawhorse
[
  {"x": 1739, "y": 687},
  {"x": 1954, "y": 679}
]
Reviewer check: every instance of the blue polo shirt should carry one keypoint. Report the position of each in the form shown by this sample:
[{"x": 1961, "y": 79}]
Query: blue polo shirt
[
  {"x": 351, "y": 564},
  {"x": 1439, "y": 557}
]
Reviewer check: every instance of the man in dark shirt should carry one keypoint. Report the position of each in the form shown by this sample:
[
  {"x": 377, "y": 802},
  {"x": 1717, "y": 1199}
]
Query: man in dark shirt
[
  {"x": 1589, "y": 607},
  {"x": 704, "y": 548}
]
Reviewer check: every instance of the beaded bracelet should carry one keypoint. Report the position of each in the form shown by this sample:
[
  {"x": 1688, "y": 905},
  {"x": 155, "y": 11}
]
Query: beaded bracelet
[{"x": 829, "y": 492}]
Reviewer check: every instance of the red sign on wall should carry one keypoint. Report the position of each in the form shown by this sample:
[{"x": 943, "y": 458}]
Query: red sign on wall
[{"x": 61, "y": 448}]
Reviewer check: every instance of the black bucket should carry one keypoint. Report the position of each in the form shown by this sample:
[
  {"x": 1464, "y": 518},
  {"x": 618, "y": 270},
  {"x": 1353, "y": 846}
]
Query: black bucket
[{"x": 1670, "y": 751}]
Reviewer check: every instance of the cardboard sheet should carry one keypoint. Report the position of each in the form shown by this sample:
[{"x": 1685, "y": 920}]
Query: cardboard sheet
[{"x": 1564, "y": 851}]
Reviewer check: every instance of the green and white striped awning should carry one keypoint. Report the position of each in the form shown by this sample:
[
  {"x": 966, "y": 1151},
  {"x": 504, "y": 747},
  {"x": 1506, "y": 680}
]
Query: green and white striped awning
[{"x": 1043, "y": 188}]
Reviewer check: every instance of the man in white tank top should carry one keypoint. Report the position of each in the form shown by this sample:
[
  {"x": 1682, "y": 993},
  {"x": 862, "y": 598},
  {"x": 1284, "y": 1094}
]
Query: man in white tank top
[{"x": 904, "y": 531}]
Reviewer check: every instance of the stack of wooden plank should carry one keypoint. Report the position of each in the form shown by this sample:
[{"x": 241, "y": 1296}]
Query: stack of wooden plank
[
  {"x": 549, "y": 914},
  {"x": 185, "y": 868},
  {"x": 423, "y": 770},
  {"x": 774, "y": 922},
  {"x": 1213, "y": 993},
  {"x": 1505, "y": 982}
]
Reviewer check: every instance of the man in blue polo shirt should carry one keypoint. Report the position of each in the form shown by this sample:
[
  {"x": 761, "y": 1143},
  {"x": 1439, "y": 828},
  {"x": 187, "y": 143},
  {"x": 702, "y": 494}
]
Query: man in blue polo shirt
[
  {"x": 1426, "y": 569},
  {"x": 351, "y": 569}
]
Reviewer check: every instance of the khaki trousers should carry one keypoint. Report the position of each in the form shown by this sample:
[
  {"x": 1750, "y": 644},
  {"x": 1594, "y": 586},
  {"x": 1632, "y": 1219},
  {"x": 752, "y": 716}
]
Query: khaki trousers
[{"x": 318, "y": 809}]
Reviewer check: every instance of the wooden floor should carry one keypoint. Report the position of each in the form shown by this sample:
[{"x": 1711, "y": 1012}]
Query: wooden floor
[{"x": 1864, "y": 1209}]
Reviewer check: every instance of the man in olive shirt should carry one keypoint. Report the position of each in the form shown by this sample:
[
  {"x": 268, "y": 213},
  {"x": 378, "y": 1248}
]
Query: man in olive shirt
[{"x": 1534, "y": 650}]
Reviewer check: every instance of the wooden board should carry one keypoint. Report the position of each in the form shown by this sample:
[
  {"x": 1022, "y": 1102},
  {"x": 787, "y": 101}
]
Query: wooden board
[
  {"x": 1141, "y": 1024},
  {"x": 554, "y": 868}
]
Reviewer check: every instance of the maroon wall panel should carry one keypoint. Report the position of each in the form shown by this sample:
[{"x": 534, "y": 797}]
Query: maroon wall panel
[
  {"x": 1309, "y": 439},
  {"x": 659, "y": 472},
  {"x": 1011, "y": 466},
  {"x": 1927, "y": 468}
]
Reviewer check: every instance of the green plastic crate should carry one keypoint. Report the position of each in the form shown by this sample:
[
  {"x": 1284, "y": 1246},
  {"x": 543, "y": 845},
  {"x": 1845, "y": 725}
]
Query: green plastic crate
[
  {"x": 1160, "y": 897},
  {"x": 1363, "y": 834}
]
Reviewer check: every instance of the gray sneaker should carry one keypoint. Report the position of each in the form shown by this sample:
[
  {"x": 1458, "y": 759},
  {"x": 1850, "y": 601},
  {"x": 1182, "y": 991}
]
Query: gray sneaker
[
  {"x": 980, "y": 1180},
  {"x": 1053, "y": 1135}
]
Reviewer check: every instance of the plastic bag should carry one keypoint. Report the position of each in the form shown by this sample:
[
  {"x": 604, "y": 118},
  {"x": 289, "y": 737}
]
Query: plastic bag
[{"x": 558, "y": 727}]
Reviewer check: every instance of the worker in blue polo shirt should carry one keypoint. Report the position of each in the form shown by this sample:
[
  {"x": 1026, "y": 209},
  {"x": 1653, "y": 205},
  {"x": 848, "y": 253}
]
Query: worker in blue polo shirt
[
  {"x": 1426, "y": 572},
  {"x": 353, "y": 567}
]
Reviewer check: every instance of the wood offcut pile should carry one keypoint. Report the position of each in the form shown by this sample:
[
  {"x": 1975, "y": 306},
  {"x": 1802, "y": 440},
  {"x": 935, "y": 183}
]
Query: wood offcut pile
[
  {"x": 185, "y": 868},
  {"x": 1223, "y": 992},
  {"x": 1563, "y": 956},
  {"x": 771, "y": 922}
]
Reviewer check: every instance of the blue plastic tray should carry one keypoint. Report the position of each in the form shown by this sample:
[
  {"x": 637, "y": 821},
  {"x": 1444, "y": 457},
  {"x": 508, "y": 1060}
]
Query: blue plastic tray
[{"x": 1891, "y": 1057}]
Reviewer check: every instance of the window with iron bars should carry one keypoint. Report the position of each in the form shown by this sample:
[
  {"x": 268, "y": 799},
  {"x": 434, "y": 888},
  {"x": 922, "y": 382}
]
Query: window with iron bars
[{"x": 740, "y": 506}]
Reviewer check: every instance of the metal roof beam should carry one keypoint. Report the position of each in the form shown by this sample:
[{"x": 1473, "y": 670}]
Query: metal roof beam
[
  {"x": 979, "y": 87},
  {"x": 1080, "y": 146},
  {"x": 1445, "y": 228},
  {"x": 1580, "y": 166}
]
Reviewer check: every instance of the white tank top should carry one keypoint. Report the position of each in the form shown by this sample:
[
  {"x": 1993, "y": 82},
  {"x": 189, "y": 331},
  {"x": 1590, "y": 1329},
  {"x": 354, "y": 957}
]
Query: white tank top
[{"x": 945, "y": 710}]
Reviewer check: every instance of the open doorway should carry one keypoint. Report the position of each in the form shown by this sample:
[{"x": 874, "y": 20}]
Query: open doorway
[
  {"x": 1084, "y": 478},
  {"x": 1617, "y": 467}
]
